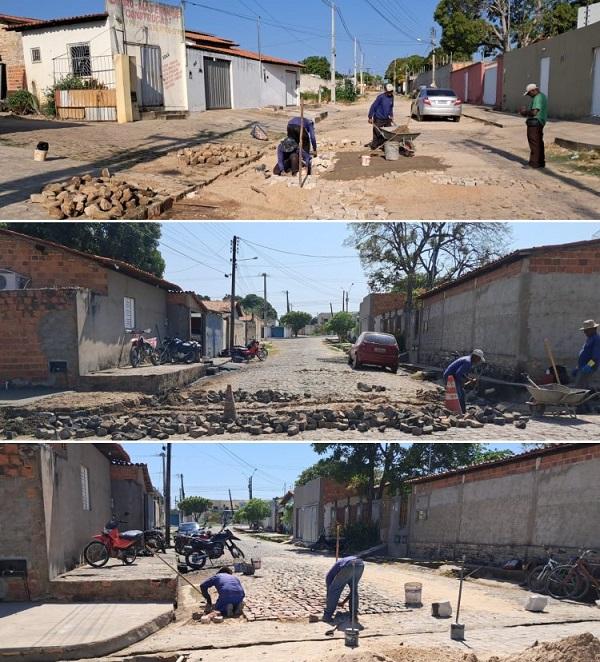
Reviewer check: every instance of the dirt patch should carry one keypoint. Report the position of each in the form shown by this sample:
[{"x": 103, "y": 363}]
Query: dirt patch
[
  {"x": 579, "y": 648},
  {"x": 406, "y": 655},
  {"x": 348, "y": 166}
]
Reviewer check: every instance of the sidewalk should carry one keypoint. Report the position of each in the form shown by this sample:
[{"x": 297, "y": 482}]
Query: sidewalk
[{"x": 49, "y": 632}]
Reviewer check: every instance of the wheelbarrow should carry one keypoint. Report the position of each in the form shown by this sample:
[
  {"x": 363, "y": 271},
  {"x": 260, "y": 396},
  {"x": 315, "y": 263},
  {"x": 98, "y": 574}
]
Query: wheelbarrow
[
  {"x": 557, "y": 398},
  {"x": 406, "y": 140}
]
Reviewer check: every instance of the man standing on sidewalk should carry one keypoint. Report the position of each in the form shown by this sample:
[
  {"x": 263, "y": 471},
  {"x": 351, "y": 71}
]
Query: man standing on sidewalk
[
  {"x": 345, "y": 572},
  {"x": 537, "y": 115},
  {"x": 381, "y": 114},
  {"x": 589, "y": 356}
]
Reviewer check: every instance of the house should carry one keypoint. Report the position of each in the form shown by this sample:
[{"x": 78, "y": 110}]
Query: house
[
  {"x": 508, "y": 308},
  {"x": 65, "y": 313},
  {"x": 374, "y": 306},
  {"x": 511, "y": 508},
  {"x": 214, "y": 325},
  {"x": 222, "y": 75},
  {"x": 55, "y": 498},
  {"x": 310, "y": 520},
  {"x": 443, "y": 75},
  {"x": 480, "y": 83},
  {"x": 12, "y": 57},
  {"x": 569, "y": 61},
  {"x": 279, "y": 505},
  {"x": 133, "y": 493}
]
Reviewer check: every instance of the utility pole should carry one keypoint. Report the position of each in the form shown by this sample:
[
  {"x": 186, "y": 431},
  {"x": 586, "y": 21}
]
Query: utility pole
[
  {"x": 182, "y": 490},
  {"x": 287, "y": 297},
  {"x": 250, "y": 484},
  {"x": 231, "y": 503},
  {"x": 168, "y": 497},
  {"x": 331, "y": 308},
  {"x": 343, "y": 301},
  {"x": 355, "y": 62},
  {"x": 265, "y": 311},
  {"x": 433, "y": 84},
  {"x": 362, "y": 72},
  {"x": 260, "y": 64},
  {"x": 348, "y": 301},
  {"x": 333, "y": 53},
  {"x": 234, "y": 247}
]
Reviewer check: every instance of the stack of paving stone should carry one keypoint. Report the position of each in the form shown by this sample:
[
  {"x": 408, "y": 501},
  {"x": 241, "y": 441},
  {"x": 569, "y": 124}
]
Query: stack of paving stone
[{"x": 215, "y": 154}]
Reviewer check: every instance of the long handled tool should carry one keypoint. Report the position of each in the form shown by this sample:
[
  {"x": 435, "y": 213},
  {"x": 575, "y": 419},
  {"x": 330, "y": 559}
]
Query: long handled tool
[
  {"x": 185, "y": 579},
  {"x": 457, "y": 631},
  {"x": 551, "y": 356}
]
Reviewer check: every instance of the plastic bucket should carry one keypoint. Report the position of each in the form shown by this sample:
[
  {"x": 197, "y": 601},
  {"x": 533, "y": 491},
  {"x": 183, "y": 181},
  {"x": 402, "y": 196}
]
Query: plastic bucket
[
  {"x": 366, "y": 160},
  {"x": 257, "y": 563},
  {"x": 40, "y": 155},
  {"x": 441, "y": 609},
  {"x": 351, "y": 637},
  {"x": 412, "y": 594},
  {"x": 392, "y": 151},
  {"x": 457, "y": 632}
]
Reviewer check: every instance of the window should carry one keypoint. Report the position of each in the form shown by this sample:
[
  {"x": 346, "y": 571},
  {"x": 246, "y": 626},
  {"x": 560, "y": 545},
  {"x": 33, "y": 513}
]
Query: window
[
  {"x": 36, "y": 55},
  {"x": 129, "y": 313},
  {"x": 81, "y": 61},
  {"x": 85, "y": 488}
]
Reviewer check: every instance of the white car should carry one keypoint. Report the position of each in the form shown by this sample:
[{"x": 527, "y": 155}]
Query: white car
[{"x": 434, "y": 102}]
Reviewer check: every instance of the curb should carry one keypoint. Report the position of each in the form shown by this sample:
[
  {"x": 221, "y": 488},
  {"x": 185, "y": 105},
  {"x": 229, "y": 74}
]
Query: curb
[
  {"x": 96, "y": 649},
  {"x": 576, "y": 145},
  {"x": 483, "y": 120}
]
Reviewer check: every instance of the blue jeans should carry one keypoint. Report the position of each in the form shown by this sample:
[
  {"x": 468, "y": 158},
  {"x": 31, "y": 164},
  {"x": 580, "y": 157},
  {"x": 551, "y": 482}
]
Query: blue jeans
[
  {"x": 221, "y": 605},
  {"x": 340, "y": 581}
]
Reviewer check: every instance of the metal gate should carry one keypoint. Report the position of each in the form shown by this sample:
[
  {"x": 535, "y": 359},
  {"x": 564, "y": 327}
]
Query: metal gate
[
  {"x": 152, "y": 79},
  {"x": 596, "y": 84},
  {"x": 214, "y": 336},
  {"x": 291, "y": 86},
  {"x": 490, "y": 82},
  {"x": 217, "y": 83},
  {"x": 544, "y": 75}
]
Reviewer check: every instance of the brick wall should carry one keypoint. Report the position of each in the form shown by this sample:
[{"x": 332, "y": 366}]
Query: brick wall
[
  {"x": 382, "y": 303},
  {"x": 11, "y": 54},
  {"x": 50, "y": 267},
  {"x": 28, "y": 319},
  {"x": 578, "y": 260}
]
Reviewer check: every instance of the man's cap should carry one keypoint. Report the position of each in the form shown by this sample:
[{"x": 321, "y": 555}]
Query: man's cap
[
  {"x": 289, "y": 145},
  {"x": 530, "y": 88},
  {"x": 589, "y": 324},
  {"x": 479, "y": 353},
  {"x": 389, "y": 87}
]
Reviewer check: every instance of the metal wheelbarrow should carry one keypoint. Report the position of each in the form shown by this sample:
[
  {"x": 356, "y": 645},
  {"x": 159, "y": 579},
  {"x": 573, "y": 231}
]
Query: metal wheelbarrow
[
  {"x": 406, "y": 140},
  {"x": 557, "y": 398}
]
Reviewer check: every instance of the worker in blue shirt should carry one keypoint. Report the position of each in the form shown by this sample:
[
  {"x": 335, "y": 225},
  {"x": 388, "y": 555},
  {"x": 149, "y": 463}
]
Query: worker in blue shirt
[
  {"x": 345, "y": 572},
  {"x": 460, "y": 369},
  {"x": 231, "y": 593},
  {"x": 589, "y": 356},
  {"x": 288, "y": 159},
  {"x": 381, "y": 114},
  {"x": 309, "y": 137}
]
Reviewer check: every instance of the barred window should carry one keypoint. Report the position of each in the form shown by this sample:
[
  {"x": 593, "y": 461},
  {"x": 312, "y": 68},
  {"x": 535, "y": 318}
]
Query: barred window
[
  {"x": 36, "y": 55},
  {"x": 81, "y": 61}
]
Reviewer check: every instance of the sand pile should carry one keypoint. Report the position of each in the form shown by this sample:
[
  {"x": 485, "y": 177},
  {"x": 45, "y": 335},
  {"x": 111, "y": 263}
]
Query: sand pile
[
  {"x": 407, "y": 654},
  {"x": 579, "y": 648}
]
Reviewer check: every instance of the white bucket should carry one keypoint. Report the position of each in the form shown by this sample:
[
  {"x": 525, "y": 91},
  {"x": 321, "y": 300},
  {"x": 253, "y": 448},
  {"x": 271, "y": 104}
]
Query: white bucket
[
  {"x": 412, "y": 594},
  {"x": 392, "y": 151},
  {"x": 366, "y": 160},
  {"x": 536, "y": 603},
  {"x": 441, "y": 609},
  {"x": 40, "y": 155}
]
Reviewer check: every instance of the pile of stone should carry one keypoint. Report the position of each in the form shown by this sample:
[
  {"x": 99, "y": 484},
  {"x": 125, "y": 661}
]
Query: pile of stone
[
  {"x": 101, "y": 198},
  {"x": 425, "y": 420},
  {"x": 216, "y": 154},
  {"x": 264, "y": 396},
  {"x": 367, "y": 388}
]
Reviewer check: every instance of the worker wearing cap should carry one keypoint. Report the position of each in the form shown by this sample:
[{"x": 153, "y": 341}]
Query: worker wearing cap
[
  {"x": 589, "y": 356},
  {"x": 537, "y": 116},
  {"x": 231, "y": 593},
  {"x": 309, "y": 136},
  {"x": 381, "y": 114},
  {"x": 288, "y": 158},
  {"x": 345, "y": 572},
  {"x": 460, "y": 369}
]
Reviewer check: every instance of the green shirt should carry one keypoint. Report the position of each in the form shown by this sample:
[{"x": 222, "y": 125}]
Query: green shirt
[{"x": 540, "y": 103}]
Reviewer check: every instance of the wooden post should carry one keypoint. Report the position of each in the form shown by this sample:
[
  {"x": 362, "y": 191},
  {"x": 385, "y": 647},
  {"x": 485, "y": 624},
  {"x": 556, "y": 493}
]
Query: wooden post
[
  {"x": 337, "y": 541},
  {"x": 300, "y": 150}
]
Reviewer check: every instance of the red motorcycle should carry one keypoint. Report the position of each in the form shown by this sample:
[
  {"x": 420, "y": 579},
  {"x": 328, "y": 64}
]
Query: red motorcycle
[
  {"x": 254, "y": 350},
  {"x": 112, "y": 544}
]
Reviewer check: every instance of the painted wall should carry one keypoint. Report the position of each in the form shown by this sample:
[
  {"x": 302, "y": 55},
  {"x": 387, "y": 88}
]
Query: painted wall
[
  {"x": 53, "y": 43},
  {"x": 571, "y": 68}
]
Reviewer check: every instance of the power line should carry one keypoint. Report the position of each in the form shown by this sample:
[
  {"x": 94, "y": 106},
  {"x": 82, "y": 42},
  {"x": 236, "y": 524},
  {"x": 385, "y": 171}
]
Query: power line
[
  {"x": 387, "y": 19},
  {"x": 277, "y": 250}
]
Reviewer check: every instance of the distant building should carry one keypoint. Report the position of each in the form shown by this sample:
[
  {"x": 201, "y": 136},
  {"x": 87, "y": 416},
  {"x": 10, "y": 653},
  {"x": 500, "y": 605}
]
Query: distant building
[{"x": 374, "y": 306}]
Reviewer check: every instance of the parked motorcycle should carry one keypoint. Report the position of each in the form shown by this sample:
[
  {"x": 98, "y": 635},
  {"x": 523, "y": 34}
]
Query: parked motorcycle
[
  {"x": 112, "y": 544},
  {"x": 200, "y": 550},
  {"x": 182, "y": 539},
  {"x": 143, "y": 349},
  {"x": 175, "y": 350},
  {"x": 155, "y": 540},
  {"x": 254, "y": 350}
]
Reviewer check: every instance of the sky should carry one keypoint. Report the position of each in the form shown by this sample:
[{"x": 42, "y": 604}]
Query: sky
[
  {"x": 289, "y": 29},
  {"x": 210, "y": 470},
  {"x": 312, "y": 282}
]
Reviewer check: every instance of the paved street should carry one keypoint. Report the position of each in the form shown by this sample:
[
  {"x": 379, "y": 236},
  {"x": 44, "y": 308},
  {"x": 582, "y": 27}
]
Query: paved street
[
  {"x": 290, "y": 585},
  {"x": 468, "y": 170}
]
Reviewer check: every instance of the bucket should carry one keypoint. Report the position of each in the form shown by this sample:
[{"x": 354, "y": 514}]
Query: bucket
[
  {"x": 441, "y": 609},
  {"x": 257, "y": 563},
  {"x": 351, "y": 637},
  {"x": 457, "y": 632},
  {"x": 366, "y": 160},
  {"x": 412, "y": 594},
  {"x": 392, "y": 151},
  {"x": 39, "y": 155}
]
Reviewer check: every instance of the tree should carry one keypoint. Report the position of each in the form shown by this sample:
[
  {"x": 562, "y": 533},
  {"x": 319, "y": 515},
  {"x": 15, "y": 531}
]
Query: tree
[
  {"x": 324, "y": 468},
  {"x": 297, "y": 320},
  {"x": 252, "y": 303},
  {"x": 255, "y": 511},
  {"x": 464, "y": 29},
  {"x": 194, "y": 506},
  {"x": 400, "y": 66},
  {"x": 341, "y": 324},
  {"x": 135, "y": 243},
  {"x": 317, "y": 65}
]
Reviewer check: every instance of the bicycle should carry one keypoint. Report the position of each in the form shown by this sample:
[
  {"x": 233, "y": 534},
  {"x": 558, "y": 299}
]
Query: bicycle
[
  {"x": 537, "y": 578},
  {"x": 573, "y": 581}
]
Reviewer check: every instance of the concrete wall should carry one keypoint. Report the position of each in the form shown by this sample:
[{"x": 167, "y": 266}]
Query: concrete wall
[
  {"x": 571, "y": 72},
  {"x": 510, "y": 511},
  {"x": 128, "y": 497},
  {"x": 468, "y": 82},
  {"x": 313, "y": 83},
  {"x": 103, "y": 342},
  {"x": 54, "y": 42}
]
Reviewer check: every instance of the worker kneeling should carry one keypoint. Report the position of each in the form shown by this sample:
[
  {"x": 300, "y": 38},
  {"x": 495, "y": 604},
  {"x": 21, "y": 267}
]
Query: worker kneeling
[
  {"x": 288, "y": 158},
  {"x": 460, "y": 370},
  {"x": 345, "y": 572},
  {"x": 231, "y": 593}
]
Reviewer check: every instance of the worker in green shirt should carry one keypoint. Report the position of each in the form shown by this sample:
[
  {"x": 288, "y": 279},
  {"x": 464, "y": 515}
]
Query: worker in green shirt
[{"x": 537, "y": 115}]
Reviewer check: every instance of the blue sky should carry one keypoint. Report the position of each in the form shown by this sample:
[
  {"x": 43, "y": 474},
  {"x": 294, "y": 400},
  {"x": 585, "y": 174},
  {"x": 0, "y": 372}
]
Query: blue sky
[
  {"x": 209, "y": 470},
  {"x": 313, "y": 282},
  {"x": 295, "y": 37}
]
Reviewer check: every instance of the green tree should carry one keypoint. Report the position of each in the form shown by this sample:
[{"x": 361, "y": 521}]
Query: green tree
[
  {"x": 255, "y": 511},
  {"x": 324, "y": 468},
  {"x": 341, "y": 324},
  {"x": 464, "y": 28},
  {"x": 135, "y": 243},
  {"x": 254, "y": 304},
  {"x": 317, "y": 65},
  {"x": 194, "y": 506},
  {"x": 297, "y": 320},
  {"x": 400, "y": 66}
]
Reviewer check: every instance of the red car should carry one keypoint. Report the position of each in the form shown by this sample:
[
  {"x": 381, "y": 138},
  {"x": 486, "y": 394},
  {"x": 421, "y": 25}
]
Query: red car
[{"x": 376, "y": 349}]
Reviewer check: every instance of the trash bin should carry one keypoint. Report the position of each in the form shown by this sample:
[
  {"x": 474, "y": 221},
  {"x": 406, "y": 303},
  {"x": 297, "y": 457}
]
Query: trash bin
[{"x": 412, "y": 594}]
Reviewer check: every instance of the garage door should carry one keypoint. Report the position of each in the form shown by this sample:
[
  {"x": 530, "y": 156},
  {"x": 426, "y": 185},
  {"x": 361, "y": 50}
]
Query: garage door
[
  {"x": 152, "y": 79},
  {"x": 596, "y": 84},
  {"x": 489, "y": 85},
  {"x": 217, "y": 82},
  {"x": 308, "y": 525},
  {"x": 544, "y": 75}
]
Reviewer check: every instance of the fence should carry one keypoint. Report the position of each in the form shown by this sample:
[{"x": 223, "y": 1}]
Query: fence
[{"x": 85, "y": 86}]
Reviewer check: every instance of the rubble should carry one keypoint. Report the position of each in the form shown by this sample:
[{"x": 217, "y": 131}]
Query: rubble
[
  {"x": 103, "y": 198},
  {"x": 216, "y": 154}
]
